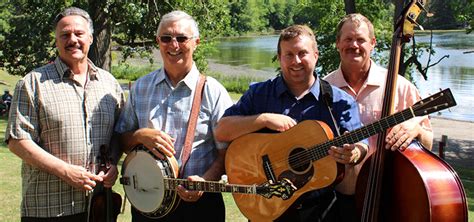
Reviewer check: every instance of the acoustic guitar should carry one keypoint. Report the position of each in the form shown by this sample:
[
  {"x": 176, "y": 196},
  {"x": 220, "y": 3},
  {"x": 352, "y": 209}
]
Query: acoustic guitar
[{"x": 301, "y": 156}]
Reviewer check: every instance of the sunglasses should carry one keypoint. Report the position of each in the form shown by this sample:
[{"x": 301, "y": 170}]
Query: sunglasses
[{"x": 179, "y": 39}]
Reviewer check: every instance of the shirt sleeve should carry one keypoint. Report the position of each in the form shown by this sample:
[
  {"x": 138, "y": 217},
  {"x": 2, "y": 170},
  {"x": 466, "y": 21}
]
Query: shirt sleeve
[
  {"x": 411, "y": 95},
  {"x": 23, "y": 121},
  {"x": 128, "y": 120},
  {"x": 223, "y": 102},
  {"x": 243, "y": 107},
  {"x": 346, "y": 106}
]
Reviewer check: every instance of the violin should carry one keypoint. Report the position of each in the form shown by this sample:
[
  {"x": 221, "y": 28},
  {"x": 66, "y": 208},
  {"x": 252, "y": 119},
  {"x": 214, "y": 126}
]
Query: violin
[{"x": 105, "y": 203}]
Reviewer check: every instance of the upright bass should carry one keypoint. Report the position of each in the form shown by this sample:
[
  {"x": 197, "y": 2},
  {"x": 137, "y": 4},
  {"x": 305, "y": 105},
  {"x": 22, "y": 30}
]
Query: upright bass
[{"x": 410, "y": 185}]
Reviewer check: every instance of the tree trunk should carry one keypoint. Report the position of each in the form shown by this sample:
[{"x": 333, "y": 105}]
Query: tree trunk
[
  {"x": 349, "y": 6},
  {"x": 100, "y": 52}
]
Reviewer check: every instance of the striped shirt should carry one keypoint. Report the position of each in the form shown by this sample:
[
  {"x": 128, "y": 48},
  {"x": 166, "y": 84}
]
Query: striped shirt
[
  {"x": 154, "y": 103},
  {"x": 66, "y": 120}
]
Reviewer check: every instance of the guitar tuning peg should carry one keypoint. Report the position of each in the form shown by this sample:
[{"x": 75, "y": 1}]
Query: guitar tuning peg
[
  {"x": 224, "y": 179},
  {"x": 422, "y": 6}
]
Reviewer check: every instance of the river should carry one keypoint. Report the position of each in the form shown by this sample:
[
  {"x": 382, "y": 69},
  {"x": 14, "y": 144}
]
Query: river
[{"x": 455, "y": 72}]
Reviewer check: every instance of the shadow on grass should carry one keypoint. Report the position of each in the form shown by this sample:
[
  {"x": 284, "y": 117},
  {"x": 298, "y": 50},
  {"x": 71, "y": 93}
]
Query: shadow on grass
[{"x": 457, "y": 152}]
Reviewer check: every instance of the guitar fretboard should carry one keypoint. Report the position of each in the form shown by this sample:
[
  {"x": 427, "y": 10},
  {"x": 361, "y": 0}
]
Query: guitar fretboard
[
  {"x": 321, "y": 150},
  {"x": 209, "y": 186}
]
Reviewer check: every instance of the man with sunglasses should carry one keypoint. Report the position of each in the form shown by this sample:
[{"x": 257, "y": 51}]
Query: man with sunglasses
[{"x": 157, "y": 115}]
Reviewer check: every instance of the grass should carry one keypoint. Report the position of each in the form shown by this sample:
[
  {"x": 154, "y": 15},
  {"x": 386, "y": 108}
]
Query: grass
[{"x": 7, "y": 81}]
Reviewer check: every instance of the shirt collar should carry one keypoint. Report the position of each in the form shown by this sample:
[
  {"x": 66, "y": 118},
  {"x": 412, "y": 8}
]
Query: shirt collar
[
  {"x": 189, "y": 80},
  {"x": 65, "y": 72},
  {"x": 282, "y": 88},
  {"x": 373, "y": 77},
  {"x": 377, "y": 75}
]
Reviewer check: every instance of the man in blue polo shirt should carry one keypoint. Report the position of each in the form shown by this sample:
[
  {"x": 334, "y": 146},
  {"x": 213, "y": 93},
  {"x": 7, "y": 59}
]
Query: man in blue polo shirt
[{"x": 293, "y": 96}]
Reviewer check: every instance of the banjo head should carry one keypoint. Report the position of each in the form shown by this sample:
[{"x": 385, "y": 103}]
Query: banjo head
[{"x": 144, "y": 187}]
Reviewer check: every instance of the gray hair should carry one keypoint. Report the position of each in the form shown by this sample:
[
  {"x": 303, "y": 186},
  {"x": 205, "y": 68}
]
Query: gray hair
[
  {"x": 75, "y": 11},
  {"x": 176, "y": 16},
  {"x": 357, "y": 19}
]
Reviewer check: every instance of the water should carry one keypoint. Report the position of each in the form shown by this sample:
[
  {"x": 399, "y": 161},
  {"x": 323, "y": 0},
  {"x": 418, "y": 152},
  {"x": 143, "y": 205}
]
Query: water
[{"x": 455, "y": 72}]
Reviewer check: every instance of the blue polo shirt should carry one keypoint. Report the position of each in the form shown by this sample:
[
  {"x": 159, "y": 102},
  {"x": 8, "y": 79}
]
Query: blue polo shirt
[{"x": 273, "y": 96}]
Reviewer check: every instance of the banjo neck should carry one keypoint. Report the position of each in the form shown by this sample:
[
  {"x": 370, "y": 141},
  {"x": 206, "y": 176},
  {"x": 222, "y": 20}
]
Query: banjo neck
[
  {"x": 211, "y": 186},
  {"x": 283, "y": 188}
]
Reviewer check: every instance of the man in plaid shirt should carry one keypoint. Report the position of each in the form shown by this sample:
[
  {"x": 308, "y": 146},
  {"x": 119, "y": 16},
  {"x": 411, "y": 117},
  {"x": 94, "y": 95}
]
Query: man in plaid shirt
[{"x": 61, "y": 114}]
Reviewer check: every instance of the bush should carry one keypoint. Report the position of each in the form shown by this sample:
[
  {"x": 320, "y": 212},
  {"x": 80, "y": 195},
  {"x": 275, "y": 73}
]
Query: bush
[{"x": 132, "y": 73}]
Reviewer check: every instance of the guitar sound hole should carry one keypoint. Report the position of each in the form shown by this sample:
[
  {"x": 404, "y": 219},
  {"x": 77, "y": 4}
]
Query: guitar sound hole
[{"x": 299, "y": 160}]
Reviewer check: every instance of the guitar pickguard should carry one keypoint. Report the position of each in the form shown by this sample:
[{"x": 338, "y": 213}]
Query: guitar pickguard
[{"x": 298, "y": 180}]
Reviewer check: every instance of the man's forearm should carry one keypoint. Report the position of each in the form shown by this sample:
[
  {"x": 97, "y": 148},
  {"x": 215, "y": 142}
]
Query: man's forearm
[
  {"x": 231, "y": 127},
  {"x": 36, "y": 156},
  {"x": 217, "y": 168}
]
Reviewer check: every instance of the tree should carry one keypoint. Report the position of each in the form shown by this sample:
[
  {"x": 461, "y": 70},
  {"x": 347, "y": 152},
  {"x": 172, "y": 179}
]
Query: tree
[
  {"x": 463, "y": 11},
  {"x": 29, "y": 43},
  {"x": 280, "y": 14},
  {"x": 247, "y": 16},
  {"x": 100, "y": 51}
]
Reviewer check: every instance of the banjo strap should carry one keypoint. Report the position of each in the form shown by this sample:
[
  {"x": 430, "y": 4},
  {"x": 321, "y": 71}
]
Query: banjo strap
[{"x": 188, "y": 141}]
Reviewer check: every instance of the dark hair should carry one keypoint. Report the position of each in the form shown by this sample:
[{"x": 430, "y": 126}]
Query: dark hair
[
  {"x": 75, "y": 11},
  {"x": 294, "y": 31}
]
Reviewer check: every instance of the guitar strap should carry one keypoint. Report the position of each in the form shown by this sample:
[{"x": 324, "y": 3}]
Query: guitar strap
[
  {"x": 326, "y": 95},
  {"x": 188, "y": 141}
]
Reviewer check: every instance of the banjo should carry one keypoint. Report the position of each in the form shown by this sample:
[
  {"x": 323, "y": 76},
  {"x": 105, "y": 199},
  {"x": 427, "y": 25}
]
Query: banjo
[{"x": 150, "y": 184}]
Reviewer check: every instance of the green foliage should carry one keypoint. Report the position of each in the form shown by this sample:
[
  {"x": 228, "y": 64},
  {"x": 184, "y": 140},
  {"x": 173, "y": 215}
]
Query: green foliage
[
  {"x": 280, "y": 14},
  {"x": 236, "y": 84},
  {"x": 463, "y": 11},
  {"x": 248, "y": 16},
  {"x": 29, "y": 42},
  {"x": 132, "y": 73}
]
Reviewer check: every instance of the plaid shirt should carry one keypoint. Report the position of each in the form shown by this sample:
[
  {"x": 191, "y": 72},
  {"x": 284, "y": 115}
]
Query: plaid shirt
[
  {"x": 67, "y": 121},
  {"x": 154, "y": 103}
]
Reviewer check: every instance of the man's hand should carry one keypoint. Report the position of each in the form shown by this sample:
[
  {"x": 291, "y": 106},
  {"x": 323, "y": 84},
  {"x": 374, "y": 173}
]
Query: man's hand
[
  {"x": 278, "y": 122},
  {"x": 110, "y": 177},
  {"x": 188, "y": 195},
  {"x": 401, "y": 135},
  {"x": 80, "y": 178},
  {"x": 156, "y": 141},
  {"x": 347, "y": 154}
]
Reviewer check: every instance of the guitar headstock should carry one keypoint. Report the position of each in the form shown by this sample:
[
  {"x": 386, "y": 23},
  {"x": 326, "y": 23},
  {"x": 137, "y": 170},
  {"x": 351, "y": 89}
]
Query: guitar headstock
[
  {"x": 283, "y": 189},
  {"x": 439, "y": 101},
  {"x": 409, "y": 16}
]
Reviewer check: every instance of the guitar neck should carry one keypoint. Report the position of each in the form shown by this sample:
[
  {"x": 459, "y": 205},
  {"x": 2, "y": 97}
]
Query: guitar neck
[
  {"x": 210, "y": 186},
  {"x": 320, "y": 150}
]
